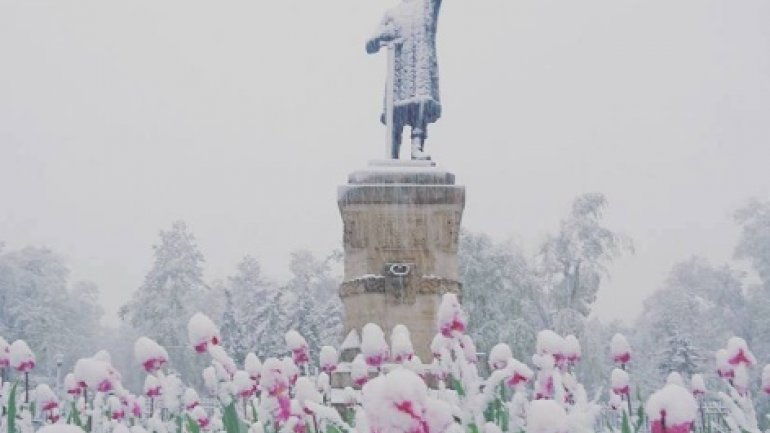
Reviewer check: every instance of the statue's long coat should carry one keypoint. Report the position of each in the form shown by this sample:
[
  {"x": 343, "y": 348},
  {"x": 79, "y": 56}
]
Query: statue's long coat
[{"x": 414, "y": 23}]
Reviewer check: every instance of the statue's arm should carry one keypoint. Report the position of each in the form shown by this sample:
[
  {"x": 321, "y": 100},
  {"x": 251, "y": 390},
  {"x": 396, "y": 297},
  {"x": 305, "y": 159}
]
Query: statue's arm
[{"x": 385, "y": 32}]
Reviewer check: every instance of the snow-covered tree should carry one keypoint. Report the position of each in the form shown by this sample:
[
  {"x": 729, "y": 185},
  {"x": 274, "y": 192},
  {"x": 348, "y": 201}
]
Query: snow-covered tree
[
  {"x": 572, "y": 263},
  {"x": 754, "y": 243},
  {"x": 679, "y": 355},
  {"x": 311, "y": 297},
  {"x": 254, "y": 318},
  {"x": 38, "y": 304},
  {"x": 173, "y": 290},
  {"x": 699, "y": 301},
  {"x": 497, "y": 292}
]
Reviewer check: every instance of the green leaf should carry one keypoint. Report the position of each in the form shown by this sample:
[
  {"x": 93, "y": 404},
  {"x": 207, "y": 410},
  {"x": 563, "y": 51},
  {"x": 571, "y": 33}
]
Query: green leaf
[
  {"x": 192, "y": 425},
  {"x": 75, "y": 415},
  {"x": 457, "y": 386},
  {"x": 332, "y": 429},
  {"x": 232, "y": 422},
  {"x": 473, "y": 428},
  {"x": 625, "y": 426},
  {"x": 11, "y": 422},
  {"x": 253, "y": 411}
]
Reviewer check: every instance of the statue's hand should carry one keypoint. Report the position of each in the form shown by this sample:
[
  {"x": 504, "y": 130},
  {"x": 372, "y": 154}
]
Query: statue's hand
[{"x": 373, "y": 45}]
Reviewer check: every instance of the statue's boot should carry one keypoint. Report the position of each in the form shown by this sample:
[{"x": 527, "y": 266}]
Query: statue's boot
[{"x": 417, "y": 152}]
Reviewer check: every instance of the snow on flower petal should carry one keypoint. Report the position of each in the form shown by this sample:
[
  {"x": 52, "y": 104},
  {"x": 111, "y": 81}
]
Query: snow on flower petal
[
  {"x": 21, "y": 357},
  {"x": 149, "y": 354},
  {"x": 546, "y": 416},
  {"x": 697, "y": 385},
  {"x": 451, "y": 317},
  {"x": 401, "y": 348},
  {"x": 298, "y": 346},
  {"x": 620, "y": 349},
  {"x": 499, "y": 356},
  {"x": 374, "y": 348},
  {"x": 202, "y": 332},
  {"x": 672, "y": 409},
  {"x": 620, "y": 382},
  {"x": 738, "y": 352},
  {"x": 328, "y": 359}
]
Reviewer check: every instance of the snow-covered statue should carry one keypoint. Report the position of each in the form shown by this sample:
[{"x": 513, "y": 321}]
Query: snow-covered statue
[{"x": 408, "y": 30}]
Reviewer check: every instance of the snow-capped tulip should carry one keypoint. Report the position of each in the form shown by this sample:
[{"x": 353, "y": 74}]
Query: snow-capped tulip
[
  {"x": 451, "y": 317},
  {"x": 224, "y": 361},
  {"x": 518, "y": 373},
  {"x": 290, "y": 369},
  {"x": 440, "y": 345},
  {"x": 620, "y": 349},
  {"x": 551, "y": 343},
  {"x": 21, "y": 357},
  {"x": 546, "y": 416},
  {"x": 298, "y": 346},
  {"x": 401, "y": 348},
  {"x": 5, "y": 353},
  {"x": 671, "y": 409},
  {"x": 210, "y": 380},
  {"x": 572, "y": 349},
  {"x": 306, "y": 391},
  {"x": 374, "y": 348},
  {"x": 323, "y": 384},
  {"x": 116, "y": 408},
  {"x": 399, "y": 401},
  {"x": 152, "y": 387},
  {"x": 738, "y": 352},
  {"x": 202, "y": 332},
  {"x": 544, "y": 386},
  {"x": 499, "y": 356},
  {"x": 97, "y": 375},
  {"x": 243, "y": 386},
  {"x": 190, "y": 399},
  {"x": 46, "y": 399},
  {"x": 253, "y": 366},
  {"x": 328, "y": 359},
  {"x": 724, "y": 369},
  {"x": 135, "y": 406},
  {"x": 149, "y": 354},
  {"x": 200, "y": 416},
  {"x": 72, "y": 386},
  {"x": 359, "y": 371},
  {"x": 697, "y": 385},
  {"x": 620, "y": 382},
  {"x": 273, "y": 379}
]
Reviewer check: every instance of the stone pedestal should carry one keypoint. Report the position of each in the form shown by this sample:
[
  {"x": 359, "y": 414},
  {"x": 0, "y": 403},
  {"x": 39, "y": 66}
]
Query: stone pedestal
[{"x": 401, "y": 228}]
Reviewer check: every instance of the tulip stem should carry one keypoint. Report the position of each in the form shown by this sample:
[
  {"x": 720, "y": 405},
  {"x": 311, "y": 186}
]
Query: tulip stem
[{"x": 26, "y": 387}]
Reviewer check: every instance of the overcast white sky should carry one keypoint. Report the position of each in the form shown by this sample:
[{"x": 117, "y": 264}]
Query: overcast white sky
[{"x": 241, "y": 118}]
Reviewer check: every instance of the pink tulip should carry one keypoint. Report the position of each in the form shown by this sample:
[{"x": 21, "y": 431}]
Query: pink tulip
[
  {"x": 451, "y": 317},
  {"x": 202, "y": 333},
  {"x": 671, "y": 409},
  {"x": 21, "y": 357}
]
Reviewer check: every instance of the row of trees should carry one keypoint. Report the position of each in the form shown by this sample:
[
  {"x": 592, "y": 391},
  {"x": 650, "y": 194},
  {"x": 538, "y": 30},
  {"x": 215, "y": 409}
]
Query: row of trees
[{"x": 509, "y": 295}]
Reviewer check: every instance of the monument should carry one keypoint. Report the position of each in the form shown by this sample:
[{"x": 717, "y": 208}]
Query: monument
[{"x": 402, "y": 217}]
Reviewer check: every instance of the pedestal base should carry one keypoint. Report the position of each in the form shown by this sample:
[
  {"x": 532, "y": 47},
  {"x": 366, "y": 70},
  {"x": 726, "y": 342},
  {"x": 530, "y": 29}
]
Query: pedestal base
[{"x": 401, "y": 229}]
